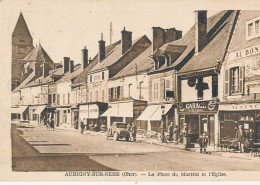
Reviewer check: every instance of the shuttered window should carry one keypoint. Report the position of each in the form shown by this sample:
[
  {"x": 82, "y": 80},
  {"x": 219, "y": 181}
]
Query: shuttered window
[
  {"x": 58, "y": 99},
  {"x": 227, "y": 82},
  {"x": 241, "y": 79}
]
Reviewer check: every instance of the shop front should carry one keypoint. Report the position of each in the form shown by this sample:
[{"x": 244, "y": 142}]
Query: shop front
[
  {"x": 63, "y": 117},
  {"x": 200, "y": 117},
  {"x": 124, "y": 111},
  {"x": 74, "y": 117},
  {"x": 90, "y": 113},
  {"x": 39, "y": 114},
  {"x": 233, "y": 115},
  {"x": 20, "y": 113},
  {"x": 151, "y": 117}
]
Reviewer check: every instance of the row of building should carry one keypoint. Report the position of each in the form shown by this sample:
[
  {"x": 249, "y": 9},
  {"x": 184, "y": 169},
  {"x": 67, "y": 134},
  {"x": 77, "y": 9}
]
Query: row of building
[{"x": 209, "y": 78}]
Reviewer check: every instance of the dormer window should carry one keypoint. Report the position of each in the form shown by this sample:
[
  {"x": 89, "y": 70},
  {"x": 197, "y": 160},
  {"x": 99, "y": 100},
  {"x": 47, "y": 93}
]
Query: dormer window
[{"x": 252, "y": 28}]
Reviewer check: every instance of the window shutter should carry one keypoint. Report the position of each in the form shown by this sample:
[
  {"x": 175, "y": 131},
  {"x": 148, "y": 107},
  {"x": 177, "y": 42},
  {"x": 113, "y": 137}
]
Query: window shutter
[
  {"x": 58, "y": 99},
  {"x": 164, "y": 87},
  {"x": 241, "y": 79},
  {"x": 227, "y": 82}
]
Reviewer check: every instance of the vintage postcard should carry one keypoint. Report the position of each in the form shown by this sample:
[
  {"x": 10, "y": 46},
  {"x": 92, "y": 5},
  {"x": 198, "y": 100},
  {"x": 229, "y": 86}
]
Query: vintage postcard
[{"x": 133, "y": 90}]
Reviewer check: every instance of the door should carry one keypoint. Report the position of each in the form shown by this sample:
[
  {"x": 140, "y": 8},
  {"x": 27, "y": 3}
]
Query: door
[{"x": 211, "y": 129}]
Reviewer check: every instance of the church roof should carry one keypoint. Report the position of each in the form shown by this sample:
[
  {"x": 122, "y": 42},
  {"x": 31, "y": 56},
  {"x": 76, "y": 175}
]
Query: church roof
[
  {"x": 21, "y": 28},
  {"x": 38, "y": 54}
]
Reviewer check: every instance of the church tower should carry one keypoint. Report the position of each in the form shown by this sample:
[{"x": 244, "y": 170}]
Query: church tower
[{"x": 22, "y": 45}]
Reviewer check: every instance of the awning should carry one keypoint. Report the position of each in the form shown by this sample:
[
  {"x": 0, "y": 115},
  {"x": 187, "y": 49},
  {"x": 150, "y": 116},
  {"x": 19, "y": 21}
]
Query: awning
[
  {"x": 154, "y": 112},
  {"x": 39, "y": 109},
  {"x": 124, "y": 109},
  {"x": 18, "y": 110}
]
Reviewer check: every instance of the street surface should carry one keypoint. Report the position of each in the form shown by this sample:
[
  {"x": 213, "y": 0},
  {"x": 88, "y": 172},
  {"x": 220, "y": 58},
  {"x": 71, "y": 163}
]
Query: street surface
[{"x": 35, "y": 148}]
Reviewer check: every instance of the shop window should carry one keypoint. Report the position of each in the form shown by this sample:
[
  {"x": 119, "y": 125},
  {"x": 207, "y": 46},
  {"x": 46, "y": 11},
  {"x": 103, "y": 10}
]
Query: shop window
[
  {"x": 230, "y": 116},
  {"x": 214, "y": 86},
  {"x": 155, "y": 90}
]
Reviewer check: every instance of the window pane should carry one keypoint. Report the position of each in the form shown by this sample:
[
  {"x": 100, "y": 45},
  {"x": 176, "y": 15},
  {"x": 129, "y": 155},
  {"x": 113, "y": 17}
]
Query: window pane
[
  {"x": 257, "y": 27},
  {"x": 250, "y": 29}
]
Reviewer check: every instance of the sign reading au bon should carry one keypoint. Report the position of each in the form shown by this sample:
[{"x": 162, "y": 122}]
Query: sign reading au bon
[
  {"x": 244, "y": 52},
  {"x": 198, "y": 106}
]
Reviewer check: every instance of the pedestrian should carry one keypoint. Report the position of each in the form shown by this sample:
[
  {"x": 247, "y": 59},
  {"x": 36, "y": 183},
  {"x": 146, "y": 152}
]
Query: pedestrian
[
  {"x": 96, "y": 129},
  {"x": 133, "y": 131},
  {"x": 52, "y": 124},
  {"x": 162, "y": 131},
  {"x": 175, "y": 134},
  {"x": 76, "y": 125},
  {"x": 240, "y": 135},
  {"x": 129, "y": 126},
  {"x": 203, "y": 142},
  {"x": 82, "y": 126},
  {"x": 170, "y": 131}
]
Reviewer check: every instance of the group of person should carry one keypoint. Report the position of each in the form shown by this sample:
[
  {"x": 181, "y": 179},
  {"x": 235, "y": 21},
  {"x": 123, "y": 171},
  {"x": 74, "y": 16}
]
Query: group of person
[
  {"x": 50, "y": 125},
  {"x": 132, "y": 129},
  {"x": 83, "y": 126}
]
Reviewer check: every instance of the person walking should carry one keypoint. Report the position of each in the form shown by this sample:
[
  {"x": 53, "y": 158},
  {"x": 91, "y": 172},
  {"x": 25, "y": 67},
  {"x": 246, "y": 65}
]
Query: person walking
[
  {"x": 133, "y": 131},
  {"x": 240, "y": 135},
  {"x": 52, "y": 124},
  {"x": 82, "y": 126},
  {"x": 170, "y": 131},
  {"x": 203, "y": 142}
]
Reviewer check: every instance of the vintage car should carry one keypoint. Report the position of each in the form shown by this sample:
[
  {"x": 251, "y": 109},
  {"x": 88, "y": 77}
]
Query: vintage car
[{"x": 118, "y": 130}]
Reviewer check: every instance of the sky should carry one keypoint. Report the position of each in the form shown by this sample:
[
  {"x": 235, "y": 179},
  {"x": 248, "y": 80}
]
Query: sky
[{"x": 64, "y": 27}]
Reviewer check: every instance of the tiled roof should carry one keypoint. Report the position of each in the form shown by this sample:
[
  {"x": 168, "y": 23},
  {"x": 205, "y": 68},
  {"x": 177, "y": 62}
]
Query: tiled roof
[
  {"x": 219, "y": 27},
  {"x": 70, "y": 76},
  {"x": 38, "y": 54},
  {"x": 27, "y": 80},
  {"x": 113, "y": 56},
  {"x": 239, "y": 38},
  {"x": 141, "y": 64},
  {"x": 82, "y": 77}
]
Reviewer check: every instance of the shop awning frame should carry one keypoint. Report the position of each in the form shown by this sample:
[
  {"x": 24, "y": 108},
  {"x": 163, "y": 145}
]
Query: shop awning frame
[
  {"x": 18, "y": 110},
  {"x": 39, "y": 109}
]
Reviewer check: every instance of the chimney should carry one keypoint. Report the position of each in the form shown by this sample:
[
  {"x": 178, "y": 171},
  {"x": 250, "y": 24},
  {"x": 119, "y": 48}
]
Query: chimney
[
  {"x": 172, "y": 34},
  {"x": 71, "y": 66},
  {"x": 102, "y": 49},
  {"x": 66, "y": 64},
  {"x": 200, "y": 30},
  {"x": 45, "y": 69},
  {"x": 37, "y": 70},
  {"x": 126, "y": 40},
  {"x": 158, "y": 37},
  {"x": 84, "y": 63},
  {"x": 90, "y": 60}
]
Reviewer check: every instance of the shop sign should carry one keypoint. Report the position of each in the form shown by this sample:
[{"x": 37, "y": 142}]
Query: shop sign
[
  {"x": 198, "y": 106},
  {"x": 239, "y": 107},
  {"x": 244, "y": 53}
]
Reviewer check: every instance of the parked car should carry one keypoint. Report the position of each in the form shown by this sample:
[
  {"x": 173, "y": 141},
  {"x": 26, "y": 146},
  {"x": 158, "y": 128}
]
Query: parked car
[{"x": 118, "y": 130}]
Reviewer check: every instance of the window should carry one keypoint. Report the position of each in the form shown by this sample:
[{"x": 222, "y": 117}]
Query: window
[
  {"x": 118, "y": 92},
  {"x": 21, "y": 50},
  {"x": 168, "y": 93},
  {"x": 103, "y": 75},
  {"x": 214, "y": 86},
  {"x": 49, "y": 98},
  {"x": 54, "y": 98},
  {"x": 252, "y": 28},
  {"x": 65, "y": 116},
  {"x": 155, "y": 90},
  {"x": 234, "y": 80},
  {"x": 21, "y": 40},
  {"x": 130, "y": 90},
  {"x": 111, "y": 93},
  {"x": 90, "y": 78}
]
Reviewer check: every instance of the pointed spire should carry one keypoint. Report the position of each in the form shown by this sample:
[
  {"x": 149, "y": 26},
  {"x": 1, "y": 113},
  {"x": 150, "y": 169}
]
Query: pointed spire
[{"x": 21, "y": 28}]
